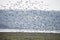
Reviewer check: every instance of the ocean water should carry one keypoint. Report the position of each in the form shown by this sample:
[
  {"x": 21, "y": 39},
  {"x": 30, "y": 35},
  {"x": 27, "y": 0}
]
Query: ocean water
[{"x": 30, "y": 20}]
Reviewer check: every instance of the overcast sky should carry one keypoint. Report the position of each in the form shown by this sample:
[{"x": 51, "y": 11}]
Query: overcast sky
[{"x": 46, "y": 4}]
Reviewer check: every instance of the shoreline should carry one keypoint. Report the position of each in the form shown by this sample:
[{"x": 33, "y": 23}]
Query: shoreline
[{"x": 28, "y": 31}]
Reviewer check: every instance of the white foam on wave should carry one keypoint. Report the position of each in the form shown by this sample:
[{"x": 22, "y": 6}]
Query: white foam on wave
[{"x": 29, "y": 31}]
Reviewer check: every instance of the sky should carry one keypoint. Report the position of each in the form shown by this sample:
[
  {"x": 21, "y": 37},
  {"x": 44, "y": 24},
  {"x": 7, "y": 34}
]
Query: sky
[{"x": 30, "y": 4}]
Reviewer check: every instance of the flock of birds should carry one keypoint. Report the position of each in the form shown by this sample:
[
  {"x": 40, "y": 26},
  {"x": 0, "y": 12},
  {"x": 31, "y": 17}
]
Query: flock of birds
[
  {"x": 30, "y": 20},
  {"x": 27, "y": 5}
]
